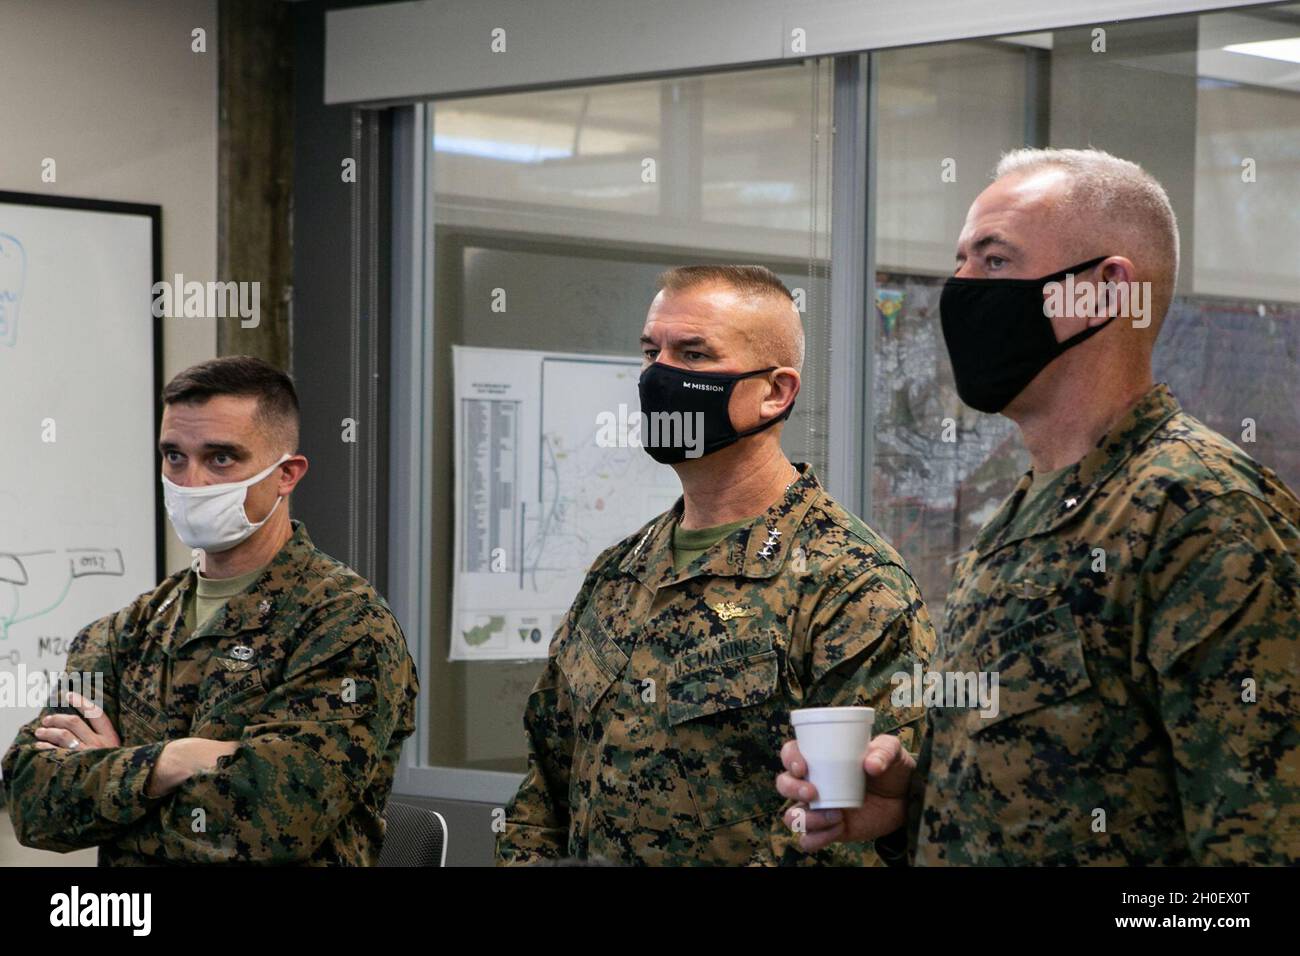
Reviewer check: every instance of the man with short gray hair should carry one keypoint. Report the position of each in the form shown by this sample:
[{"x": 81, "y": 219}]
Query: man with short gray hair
[
  {"x": 1137, "y": 596},
  {"x": 653, "y": 730}
]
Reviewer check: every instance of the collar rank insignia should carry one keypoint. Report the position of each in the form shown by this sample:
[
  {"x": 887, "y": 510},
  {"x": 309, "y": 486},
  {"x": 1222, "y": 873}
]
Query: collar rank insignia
[
  {"x": 726, "y": 611},
  {"x": 770, "y": 543}
]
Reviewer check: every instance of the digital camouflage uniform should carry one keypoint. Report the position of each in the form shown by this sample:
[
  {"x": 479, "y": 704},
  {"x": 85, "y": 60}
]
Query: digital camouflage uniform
[
  {"x": 308, "y": 670},
  {"x": 1125, "y": 688},
  {"x": 655, "y": 729}
]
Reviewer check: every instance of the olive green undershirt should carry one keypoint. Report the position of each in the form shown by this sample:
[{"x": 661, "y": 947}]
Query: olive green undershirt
[
  {"x": 211, "y": 593},
  {"x": 690, "y": 544}
]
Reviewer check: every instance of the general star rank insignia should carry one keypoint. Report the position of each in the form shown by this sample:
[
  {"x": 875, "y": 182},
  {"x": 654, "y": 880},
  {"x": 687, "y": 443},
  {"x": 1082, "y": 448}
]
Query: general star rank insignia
[
  {"x": 770, "y": 543},
  {"x": 726, "y": 611}
]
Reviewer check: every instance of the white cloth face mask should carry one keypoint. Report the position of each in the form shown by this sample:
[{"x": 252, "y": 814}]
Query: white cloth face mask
[{"x": 212, "y": 517}]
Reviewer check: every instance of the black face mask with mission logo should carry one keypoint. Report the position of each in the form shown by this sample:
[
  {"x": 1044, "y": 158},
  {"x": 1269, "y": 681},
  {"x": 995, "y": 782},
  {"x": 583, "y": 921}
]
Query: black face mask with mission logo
[
  {"x": 998, "y": 336},
  {"x": 668, "y": 389}
]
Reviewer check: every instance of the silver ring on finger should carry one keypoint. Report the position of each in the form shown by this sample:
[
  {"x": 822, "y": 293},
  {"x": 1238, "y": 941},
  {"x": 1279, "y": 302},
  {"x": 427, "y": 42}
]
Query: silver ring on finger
[{"x": 75, "y": 744}]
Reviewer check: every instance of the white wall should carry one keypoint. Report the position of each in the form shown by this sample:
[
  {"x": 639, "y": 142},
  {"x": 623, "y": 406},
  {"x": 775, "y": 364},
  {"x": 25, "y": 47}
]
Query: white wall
[{"x": 111, "y": 91}]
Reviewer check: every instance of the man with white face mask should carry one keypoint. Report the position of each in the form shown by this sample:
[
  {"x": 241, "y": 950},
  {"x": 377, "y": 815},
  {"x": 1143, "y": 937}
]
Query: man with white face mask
[{"x": 267, "y": 685}]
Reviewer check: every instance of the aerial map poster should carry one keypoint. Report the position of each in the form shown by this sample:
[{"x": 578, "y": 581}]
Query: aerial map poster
[{"x": 541, "y": 489}]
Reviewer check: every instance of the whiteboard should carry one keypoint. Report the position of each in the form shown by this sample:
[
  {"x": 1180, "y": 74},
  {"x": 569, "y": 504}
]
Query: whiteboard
[{"x": 79, "y": 486}]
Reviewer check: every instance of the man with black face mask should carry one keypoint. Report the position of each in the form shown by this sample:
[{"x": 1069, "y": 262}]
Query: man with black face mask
[
  {"x": 654, "y": 730},
  {"x": 1138, "y": 595}
]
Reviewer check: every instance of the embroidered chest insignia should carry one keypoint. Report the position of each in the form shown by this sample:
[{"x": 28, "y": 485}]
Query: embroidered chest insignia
[
  {"x": 726, "y": 611},
  {"x": 1029, "y": 590}
]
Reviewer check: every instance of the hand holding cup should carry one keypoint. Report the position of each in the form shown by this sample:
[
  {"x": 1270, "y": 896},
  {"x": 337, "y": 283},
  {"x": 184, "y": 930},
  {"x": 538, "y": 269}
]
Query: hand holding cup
[{"x": 833, "y": 772}]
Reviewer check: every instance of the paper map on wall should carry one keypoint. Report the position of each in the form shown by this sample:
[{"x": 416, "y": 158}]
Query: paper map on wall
[{"x": 537, "y": 498}]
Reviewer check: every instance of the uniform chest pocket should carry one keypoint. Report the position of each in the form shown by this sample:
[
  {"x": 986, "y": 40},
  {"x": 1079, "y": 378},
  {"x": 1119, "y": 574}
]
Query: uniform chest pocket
[
  {"x": 590, "y": 660},
  {"x": 227, "y": 701},
  {"x": 1041, "y": 671},
  {"x": 139, "y": 722},
  {"x": 727, "y": 731}
]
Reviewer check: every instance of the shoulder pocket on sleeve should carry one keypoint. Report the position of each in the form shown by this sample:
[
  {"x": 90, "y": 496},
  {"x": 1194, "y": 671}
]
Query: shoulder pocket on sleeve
[{"x": 1218, "y": 593}]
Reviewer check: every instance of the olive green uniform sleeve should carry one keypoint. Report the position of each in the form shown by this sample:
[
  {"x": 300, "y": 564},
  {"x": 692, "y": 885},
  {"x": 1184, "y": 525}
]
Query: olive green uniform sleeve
[
  {"x": 66, "y": 800},
  {"x": 874, "y": 627},
  {"x": 306, "y": 757},
  {"x": 1222, "y": 633},
  {"x": 536, "y": 824}
]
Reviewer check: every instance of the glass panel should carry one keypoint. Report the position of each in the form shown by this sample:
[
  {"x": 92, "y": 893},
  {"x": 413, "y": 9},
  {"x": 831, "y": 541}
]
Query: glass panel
[
  {"x": 945, "y": 115},
  {"x": 1216, "y": 122},
  {"x": 573, "y": 201}
]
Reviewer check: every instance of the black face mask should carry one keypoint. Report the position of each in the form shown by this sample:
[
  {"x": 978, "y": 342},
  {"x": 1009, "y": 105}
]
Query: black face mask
[
  {"x": 998, "y": 336},
  {"x": 690, "y": 400}
]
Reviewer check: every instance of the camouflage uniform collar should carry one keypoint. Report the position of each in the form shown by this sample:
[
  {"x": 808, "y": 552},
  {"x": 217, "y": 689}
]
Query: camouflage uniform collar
[
  {"x": 758, "y": 551},
  {"x": 1070, "y": 493},
  {"x": 254, "y": 608}
]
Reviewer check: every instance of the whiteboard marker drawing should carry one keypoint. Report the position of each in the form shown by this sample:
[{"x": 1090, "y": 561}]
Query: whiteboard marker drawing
[
  {"x": 13, "y": 276},
  {"x": 82, "y": 562}
]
